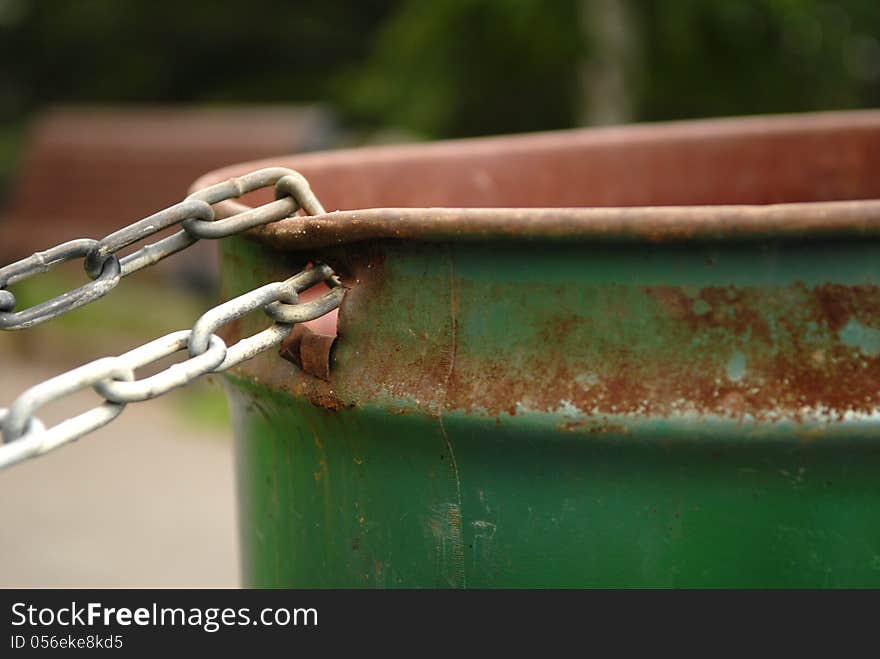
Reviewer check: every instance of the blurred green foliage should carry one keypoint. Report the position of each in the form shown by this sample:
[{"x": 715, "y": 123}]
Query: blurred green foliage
[
  {"x": 440, "y": 68},
  {"x": 721, "y": 57},
  {"x": 470, "y": 67}
]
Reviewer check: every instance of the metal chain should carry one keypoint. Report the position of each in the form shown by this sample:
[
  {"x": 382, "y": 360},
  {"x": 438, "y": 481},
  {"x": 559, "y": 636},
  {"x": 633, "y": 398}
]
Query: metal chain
[
  {"x": 196, "y": 217},
  {"x": 113, "y": 378}
]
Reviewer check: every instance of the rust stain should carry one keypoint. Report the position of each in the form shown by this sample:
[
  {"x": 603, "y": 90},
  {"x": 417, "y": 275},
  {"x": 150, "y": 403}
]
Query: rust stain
[
  {"x": 833, "y": 302},
  {"x": 840, "y": 303},
  {"x": 309, "y": 351},
  {"x": 649, "y": 223},
  {"x": 732, "y": 309},
  {"x": 324, "y": 400},
  {"x": 315, "y": 354},
  {"x": 785, "y": 371},
  {"x": 593, "y": 427},
  {"x": 732, "y": 351}
]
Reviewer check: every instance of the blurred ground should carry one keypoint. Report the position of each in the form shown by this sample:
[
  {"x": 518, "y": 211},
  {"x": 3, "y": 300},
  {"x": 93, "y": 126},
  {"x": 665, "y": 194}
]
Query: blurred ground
[
  {"x": 149, "y": 500},
  {"x": 146, "y": 501}
]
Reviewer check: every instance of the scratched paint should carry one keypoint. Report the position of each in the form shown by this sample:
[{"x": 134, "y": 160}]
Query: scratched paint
[{"x": 444, "y": 525}]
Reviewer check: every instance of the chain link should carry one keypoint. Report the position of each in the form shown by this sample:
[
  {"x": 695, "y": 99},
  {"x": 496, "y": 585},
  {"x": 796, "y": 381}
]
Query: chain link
[
  {"x": 108, "y": 276},
  {"x": 197, "y": 219},
  {"x": 128, "y": 391},
  {"x": 113, "y": 378}
]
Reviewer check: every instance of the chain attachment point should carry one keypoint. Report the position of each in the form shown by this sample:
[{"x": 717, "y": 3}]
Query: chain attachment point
[{"x": 24, "y": 436}]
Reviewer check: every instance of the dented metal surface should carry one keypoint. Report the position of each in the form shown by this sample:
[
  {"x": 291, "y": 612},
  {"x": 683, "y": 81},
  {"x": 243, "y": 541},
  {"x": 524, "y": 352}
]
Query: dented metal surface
[{"x": 684, "y": 395}]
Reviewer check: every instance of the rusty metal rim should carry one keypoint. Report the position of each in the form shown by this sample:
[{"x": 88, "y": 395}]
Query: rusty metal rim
[
  {"x": 666, "y": 223},
  {"x": 649, "y": 224}
]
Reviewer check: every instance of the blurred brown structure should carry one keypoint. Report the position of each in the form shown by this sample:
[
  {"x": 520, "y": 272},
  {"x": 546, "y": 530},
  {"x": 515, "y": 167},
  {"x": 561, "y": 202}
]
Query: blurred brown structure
[{"x": 87, "y": 171}]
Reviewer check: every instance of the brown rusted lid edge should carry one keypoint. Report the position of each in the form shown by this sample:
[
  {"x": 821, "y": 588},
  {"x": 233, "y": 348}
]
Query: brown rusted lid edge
[
  {"x": 651, "y": 224},
  {"x": 568, "y": 140},
  {"x": 722, "y": 179}
]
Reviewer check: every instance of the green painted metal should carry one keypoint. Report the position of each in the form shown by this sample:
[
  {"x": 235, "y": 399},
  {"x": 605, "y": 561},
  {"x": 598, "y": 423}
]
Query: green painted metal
[{"x": 581, "y": 414}]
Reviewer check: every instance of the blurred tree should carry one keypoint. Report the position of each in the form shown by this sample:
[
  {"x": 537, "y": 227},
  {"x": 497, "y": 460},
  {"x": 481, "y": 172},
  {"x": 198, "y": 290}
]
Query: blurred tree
[
  {"x": 463, "y": 67},
  {"x": 716, "y": 57},
  {"x": 606, "y": 73},
  {"x": 153, "y": 51},
  {"x": 470, "y": 67},
  {"x": 446, "y": 67}
]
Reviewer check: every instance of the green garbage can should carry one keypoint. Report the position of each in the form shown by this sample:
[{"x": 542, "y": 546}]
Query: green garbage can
[{"x": 645, "y": 356}]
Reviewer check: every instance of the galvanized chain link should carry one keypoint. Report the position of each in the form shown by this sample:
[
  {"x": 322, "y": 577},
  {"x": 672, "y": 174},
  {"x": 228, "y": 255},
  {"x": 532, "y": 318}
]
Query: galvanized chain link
[
  {"x": 113, "y": 378},
  {"x": 196, "y": 216}
]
